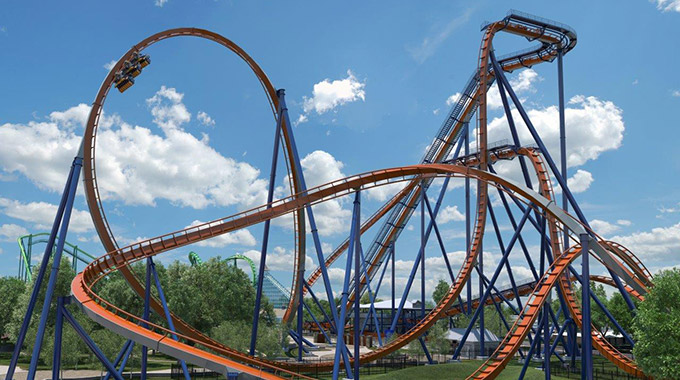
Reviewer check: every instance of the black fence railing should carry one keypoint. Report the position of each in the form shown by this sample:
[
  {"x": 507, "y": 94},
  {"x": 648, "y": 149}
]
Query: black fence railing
[
  {"x": 194, "y": 373},
  {"x": 601, "y": 371}
]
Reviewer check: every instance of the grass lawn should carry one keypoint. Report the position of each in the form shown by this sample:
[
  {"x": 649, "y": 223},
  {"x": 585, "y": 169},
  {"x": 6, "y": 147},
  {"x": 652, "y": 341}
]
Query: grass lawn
[
  {"x": 156, "y": 362},
  {"x": 458, "y": 371}
]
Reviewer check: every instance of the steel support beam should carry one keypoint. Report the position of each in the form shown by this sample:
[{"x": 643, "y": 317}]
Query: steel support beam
[{"x": 265, "y": 234}]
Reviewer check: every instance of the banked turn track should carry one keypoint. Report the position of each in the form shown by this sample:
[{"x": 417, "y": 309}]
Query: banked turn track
[{"x": 196, "y": 347}]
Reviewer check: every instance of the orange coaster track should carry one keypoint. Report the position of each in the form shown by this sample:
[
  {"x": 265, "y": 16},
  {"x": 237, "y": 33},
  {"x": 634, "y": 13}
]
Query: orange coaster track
[{"x": 196, "y": 347}]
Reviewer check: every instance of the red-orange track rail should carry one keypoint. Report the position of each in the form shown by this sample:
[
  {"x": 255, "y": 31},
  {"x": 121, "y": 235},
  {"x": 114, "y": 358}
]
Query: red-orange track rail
[
  {"x": 119, "y": 259},
  {"x": 525, "y": 59},
  {"x": 513, "y": 340},
  {"x": 123, "y": 257}
]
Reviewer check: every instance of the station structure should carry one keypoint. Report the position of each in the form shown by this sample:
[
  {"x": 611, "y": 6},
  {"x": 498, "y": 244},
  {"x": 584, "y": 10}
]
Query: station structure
[{"x": 530, "y": 207}]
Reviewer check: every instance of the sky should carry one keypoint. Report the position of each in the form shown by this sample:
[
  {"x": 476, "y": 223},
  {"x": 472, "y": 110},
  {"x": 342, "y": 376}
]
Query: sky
[{"x": 367, "y": 86}]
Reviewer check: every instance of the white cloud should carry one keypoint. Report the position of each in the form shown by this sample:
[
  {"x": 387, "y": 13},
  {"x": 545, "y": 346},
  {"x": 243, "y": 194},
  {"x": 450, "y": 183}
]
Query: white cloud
[
  {"x": 327, "y": 95},
  {"x": 431, "y": 43},
  {"x": 594, "y": 126},
  {"x": 659, "y": 244},
  {"x": 522, "y": 83},
  {"x": 384, "y": 192},
  {"x": 302, "y": 119},
  {"x": 10, "y": 232},
  {"x": 41, "y": 215},
  {"x": 205, "y": 119},
  {"x": 160, "y": 3},
  {"x": 134, "y": 165},
  {"x": 675, "y": 93},
  {"x": 624, "y": 222},
  {"x": 450, "y": 213},
  {"x": 167, "y": 108},
  {"x": 108, "y": 66},
  {"x": 321, "y": 167},
  {"x": 669, "y": 210},
  {"x": 603, "y": 228},
  {"x": 667, "y": 5},
  {"x": 238, "y": 237},
  {"x": 580, "y": 181},
  {"x": 278, "y": 259},
  {"x": 451, "y": 100}
]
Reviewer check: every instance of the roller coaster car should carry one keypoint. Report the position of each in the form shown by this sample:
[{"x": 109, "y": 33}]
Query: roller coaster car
[
  {"x": 144, "y": 60},
  {"x": 131, "y": 68},
  {"x": 123, "y": 82}
]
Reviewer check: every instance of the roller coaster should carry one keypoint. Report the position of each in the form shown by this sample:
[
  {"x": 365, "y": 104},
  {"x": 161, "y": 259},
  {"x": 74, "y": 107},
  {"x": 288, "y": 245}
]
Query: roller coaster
[{"x": 539, "y": 229}]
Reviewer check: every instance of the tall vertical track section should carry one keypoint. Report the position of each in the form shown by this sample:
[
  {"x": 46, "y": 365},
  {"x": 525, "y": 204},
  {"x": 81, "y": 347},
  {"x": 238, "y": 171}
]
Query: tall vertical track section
[{"x": 439, "y": 161}]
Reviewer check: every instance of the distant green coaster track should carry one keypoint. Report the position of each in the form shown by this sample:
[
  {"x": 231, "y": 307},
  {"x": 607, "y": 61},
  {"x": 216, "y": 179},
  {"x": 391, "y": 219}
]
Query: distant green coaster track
[
  {"x": 196, "y": 261},
  {"x": 26, "y": 244}
]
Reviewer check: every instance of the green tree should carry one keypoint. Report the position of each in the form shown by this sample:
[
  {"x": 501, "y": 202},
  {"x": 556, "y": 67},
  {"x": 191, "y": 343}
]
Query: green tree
[
  {"x": 11, "y": 289},
  {"x": 236, "y": 334},
  {"x": 209, "y": 294},
  {"x": 437, "y": 340},
  {"x": 440, "y": 291},
  {"x": 597, "y": 316},
  {"x": 619, "y": 309},
  {"x": 656, "y": 328},
  {"x": 70, "y": 343},
  {"x": 366, "y": 299},
  {"x": 318, "y": 314}
]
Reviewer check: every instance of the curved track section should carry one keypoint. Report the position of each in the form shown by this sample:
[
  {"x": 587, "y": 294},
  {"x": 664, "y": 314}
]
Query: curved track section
[
  {"x": 551, "y": 37},
  {"x": 108, "y": 314},
  {"x": 519, "y": 331},
  {"x": 198, "y": 348},
  {"x": 89, "y": 165}
]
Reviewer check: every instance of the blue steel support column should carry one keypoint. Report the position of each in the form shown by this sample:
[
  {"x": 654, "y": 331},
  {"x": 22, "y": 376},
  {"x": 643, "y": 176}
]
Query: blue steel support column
[
  {"x": 310, "y": 215},
  {"x": 440, "y": 240},
  {"x": 371, "y": 296},
  {"x": 497, "y": 230},
  {"x": 586, "y": 343},
  {"x": 90, "y": 344},
  {"x": 119, "y": 357},
  {"x": 299, "y": 319},
  {"x": 423, "y": 243},
  {"x": 309, "y": 311},
  {"x": 145, "y": 316},
  {"x": 527, "y": 359},
  {"x": 168, "y": 317},
  {"x": 467, "y": 217},
  {"x": 58, "y": 328},
  {"x": 489, "y": 288},
  {"x": 417, "y": 260},
  {"x": 41, "y": 272},
  {"x": 265, "y": 237},
  {"x": 316, "y": 301},
  {"x": 357, "y": 284},
  {"x": 560, "y": 179},
  {"x": 392, "y": 283},
  {"x": 49, "y": 293},
  {"x": 511, "y": 122},
  {"x": 606, "y": 311},
  {"x": 375, "y": 294},
  {"x": 340, "y": 346},
  {"x": 563, "y": 137}
]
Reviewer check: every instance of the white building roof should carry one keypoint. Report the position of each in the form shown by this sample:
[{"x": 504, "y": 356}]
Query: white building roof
[
  {"x": 457, "y": 335},
  {"x": 387, "y": 304}
]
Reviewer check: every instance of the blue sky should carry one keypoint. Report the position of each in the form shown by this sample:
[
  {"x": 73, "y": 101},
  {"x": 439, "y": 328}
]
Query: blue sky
[{"x": 367, "y": 84}]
